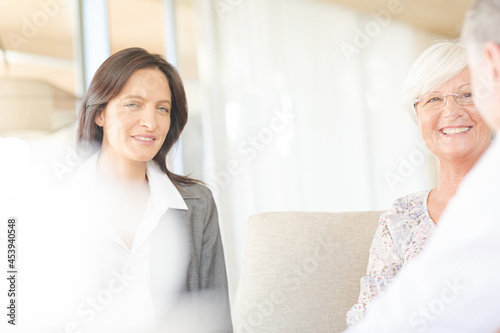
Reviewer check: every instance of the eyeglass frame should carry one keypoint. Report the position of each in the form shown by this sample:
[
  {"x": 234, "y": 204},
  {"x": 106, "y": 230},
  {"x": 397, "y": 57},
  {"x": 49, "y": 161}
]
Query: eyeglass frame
[{"x": 417, "y": 100}]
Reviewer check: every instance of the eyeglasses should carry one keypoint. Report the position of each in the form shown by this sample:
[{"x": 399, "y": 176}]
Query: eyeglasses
[{"x": 434, "y": 101}]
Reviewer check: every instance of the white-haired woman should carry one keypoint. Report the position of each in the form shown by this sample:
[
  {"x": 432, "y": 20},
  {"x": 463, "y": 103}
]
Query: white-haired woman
[{"x": 438, "y": 95}]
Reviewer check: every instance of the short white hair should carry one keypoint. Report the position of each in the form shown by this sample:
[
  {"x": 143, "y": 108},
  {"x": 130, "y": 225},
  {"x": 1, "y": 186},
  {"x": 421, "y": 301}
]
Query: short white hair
[
  {"x": 436, "y": 65},
  {"x": 482, "y": 24}
]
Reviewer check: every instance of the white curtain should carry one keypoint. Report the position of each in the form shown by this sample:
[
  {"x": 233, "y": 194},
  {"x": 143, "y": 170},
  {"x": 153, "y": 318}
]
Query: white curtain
[{"x": 303, "y": 113}]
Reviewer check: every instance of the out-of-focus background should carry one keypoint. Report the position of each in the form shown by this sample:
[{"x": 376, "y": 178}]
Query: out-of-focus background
[{"x": 295, "y": 105}]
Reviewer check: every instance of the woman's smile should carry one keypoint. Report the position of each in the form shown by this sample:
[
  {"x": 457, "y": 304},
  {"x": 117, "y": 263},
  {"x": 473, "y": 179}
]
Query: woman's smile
[
  {"x": 455, "y": 130},
  {"x": 145, "y": 139}
]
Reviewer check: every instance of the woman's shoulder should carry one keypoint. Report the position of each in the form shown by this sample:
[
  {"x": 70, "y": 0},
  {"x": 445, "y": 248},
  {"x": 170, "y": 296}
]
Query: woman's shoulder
[
  {"x": 408, "y": 208},
  {"x": 195, "y": 191},
  {"x": 412, "y": 200},
  {"x": 201, "y": 206}
]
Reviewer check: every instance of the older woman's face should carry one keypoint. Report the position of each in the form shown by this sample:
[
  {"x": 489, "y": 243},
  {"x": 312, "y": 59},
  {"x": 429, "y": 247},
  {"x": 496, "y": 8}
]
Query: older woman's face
[
  {"x": 454, "y": 132},
  {"x": 136, "y": 122}
]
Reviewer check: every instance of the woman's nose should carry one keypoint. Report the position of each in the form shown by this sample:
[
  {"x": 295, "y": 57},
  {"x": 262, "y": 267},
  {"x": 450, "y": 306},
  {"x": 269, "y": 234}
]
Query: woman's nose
[
  {"x": 148, "y": 118},
  {"x": 451, "y": 109}
]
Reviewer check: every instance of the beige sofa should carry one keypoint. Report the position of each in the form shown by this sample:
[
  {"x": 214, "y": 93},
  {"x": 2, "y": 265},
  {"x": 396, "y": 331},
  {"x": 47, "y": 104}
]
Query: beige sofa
[{"x": 301, "y": 271}]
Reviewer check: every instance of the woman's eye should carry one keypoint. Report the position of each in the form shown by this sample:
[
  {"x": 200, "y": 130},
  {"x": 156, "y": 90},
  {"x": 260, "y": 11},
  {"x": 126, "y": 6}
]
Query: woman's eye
[
  {"x": 163, "y": 109},
  {"x": 433, "y": 100},
  {"x": 132, "y": 105}
]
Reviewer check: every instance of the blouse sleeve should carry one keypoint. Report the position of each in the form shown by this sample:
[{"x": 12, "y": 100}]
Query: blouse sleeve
[
  {"x": 213, "y": 269},
  {"x": 384, "y": 262},
  {"x": 206, "y": 279}
]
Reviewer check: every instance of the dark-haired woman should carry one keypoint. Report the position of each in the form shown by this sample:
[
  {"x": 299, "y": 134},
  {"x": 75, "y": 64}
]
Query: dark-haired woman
[{"x": 152, "y": 219}]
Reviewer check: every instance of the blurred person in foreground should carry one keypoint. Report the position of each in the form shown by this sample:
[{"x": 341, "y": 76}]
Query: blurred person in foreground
[
  {"x": 439, "y": 98},
  {"x": 453, "y": 285}
]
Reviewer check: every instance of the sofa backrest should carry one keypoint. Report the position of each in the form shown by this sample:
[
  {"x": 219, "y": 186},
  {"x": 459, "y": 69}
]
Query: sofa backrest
[{"x": 301, "y": 271}]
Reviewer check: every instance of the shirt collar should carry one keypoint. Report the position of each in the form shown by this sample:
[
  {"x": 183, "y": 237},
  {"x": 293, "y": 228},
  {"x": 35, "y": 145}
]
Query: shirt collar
[{"x": 163, "y": 193}]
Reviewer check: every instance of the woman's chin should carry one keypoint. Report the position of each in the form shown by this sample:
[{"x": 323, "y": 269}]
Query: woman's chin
[
  {"x": 141, "y": 157},
  {"x": 145, "y": 158},
  {"x": 459, "y": 154}
]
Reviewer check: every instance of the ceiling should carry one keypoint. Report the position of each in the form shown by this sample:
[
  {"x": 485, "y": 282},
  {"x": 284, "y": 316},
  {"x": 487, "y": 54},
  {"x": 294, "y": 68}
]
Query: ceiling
[
  {"x": 140, "y": 21},
  {"x": 24, "y": 27},
  {"x": 440, "y": 17}
]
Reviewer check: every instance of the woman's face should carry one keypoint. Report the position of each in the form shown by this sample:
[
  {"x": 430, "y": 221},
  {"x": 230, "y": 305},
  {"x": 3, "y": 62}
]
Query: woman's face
[
  {"x": 136, "y": 122},
  {"x": 454, "y": 131}
]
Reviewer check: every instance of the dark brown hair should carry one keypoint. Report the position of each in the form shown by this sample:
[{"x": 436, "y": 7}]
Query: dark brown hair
[{"x": 109, "y": 81}]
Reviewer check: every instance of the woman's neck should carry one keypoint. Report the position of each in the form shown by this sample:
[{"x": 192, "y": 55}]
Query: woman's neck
[
  {"x": 450, "y": 174},
  {"x": 124, "y": 186},
  {"x": 120, "y": 169},
  {"x": 122, "y": 182}
]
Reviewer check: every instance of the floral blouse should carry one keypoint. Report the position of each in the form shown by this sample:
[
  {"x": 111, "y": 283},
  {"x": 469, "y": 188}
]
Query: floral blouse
[{"x": 402, "y": 233}]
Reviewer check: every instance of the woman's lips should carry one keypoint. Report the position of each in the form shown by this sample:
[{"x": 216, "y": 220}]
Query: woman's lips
[
  {"x": 455, "y": 130},
  {"x": 147, "y": 140}
]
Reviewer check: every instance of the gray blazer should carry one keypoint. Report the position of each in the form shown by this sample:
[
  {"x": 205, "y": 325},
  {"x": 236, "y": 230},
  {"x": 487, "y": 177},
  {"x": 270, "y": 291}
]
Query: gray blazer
[{"x": 206, "y": 274}]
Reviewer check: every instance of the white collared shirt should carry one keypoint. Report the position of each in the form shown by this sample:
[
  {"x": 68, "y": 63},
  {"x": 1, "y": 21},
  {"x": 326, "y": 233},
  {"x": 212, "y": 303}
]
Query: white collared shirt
[{"x": 139, "y": 284}]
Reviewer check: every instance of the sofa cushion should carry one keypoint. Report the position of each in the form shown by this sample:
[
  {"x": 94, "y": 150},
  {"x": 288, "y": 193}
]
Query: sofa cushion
[{"x": 301, "y": 271}]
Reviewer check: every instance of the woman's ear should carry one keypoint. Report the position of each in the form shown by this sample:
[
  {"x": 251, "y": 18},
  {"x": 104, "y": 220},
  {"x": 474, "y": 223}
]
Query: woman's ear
[{"x": 99, "y": 119}]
